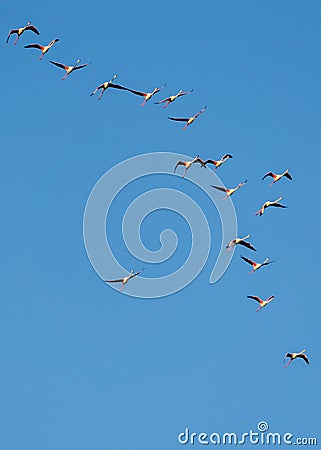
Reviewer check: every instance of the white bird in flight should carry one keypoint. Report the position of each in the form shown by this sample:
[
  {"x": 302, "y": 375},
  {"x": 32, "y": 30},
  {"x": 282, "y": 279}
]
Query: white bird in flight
[
  {"x": 124, "y": 280},
  {"x": 240, "y": 241},
  {"x": 262, "y": 303},
  {"x": 293, "y": 356}
]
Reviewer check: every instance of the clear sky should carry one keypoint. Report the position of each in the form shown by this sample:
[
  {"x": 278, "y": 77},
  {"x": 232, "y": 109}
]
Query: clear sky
[{"x": 86, "y": 368}]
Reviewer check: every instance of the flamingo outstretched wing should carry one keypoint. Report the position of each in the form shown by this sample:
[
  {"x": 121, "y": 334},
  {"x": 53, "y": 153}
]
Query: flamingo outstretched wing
[
  {"x": 200, "y": 161},
  {"x": 117, "y": 86},
  {"x": 32, "y": 28},
  {"x": 220, "y": 188},
  {"x": 81, "y": 66},
  {"x": 303, "y": 356},
  {"x": 179, "y": 163},
  {"x": 40, "y": 47},
  {"x": 135, "y": 274},
  {"x": 248, "y": 260},
  {"x": 267, "y": 263},
  {"x": 11, "y": 32},
  {"x": 119, "y": 280},
  {"x": 179, "y": 119},
  {"x": 269, "y": 174},
  {"x": 62, "y": 66},
  {"x": 248, "y": 245},
  {"x": 133, "y": 91},
  {"x": 256, "y": 298}
]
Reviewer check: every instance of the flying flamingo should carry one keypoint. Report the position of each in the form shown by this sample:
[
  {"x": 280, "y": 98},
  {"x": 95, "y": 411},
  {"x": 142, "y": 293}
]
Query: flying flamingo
[
  {"x": 240, "y": 241},
  {"x": 229, "y": 192},
  {"x": 268, "y": 204},
  {"x": 187, "y": 164},
  {"x": 147, "y": 95},
  {"x": 69, "y": 69},
  {"x": 277, "y": 177},
  {"x": 188, "y": 120},
  {"x": 43, "y": 48},
  {"x": 172, "y": 98},
  {"x": 255, "y": 265},
  {"x": 19, "y": 31},
  {"x": 125, "y": 279},
  {"x": 261, "y": 302},
  {"x": 106, "y": 85},
  {"x": 292, "y": 356},
  {"x": 219, "y": 162}
]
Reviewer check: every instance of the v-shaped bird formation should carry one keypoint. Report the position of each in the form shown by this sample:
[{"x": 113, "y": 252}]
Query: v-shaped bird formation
[{"x": 197, "y": 160}]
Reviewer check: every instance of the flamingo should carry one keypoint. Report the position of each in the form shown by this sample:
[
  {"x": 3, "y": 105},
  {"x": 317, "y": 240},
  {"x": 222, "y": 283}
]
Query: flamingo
[
  {"x": 147, "y": 95},
  {"x": 268, "y": 204},
  {"x": 293, "y": 356},
  {"x": 255, "y": 265},
  {"x": 188, "y": 120},
  {"x": 240, "y": 241},
  {"x": 229, "y": 192},
  {"x": 187, "y": 164},
  {"x": 19, "y": 31},
  {"x": 106, "y": 85},
  {"x": 219, "y": 162},
  {"x": 43, "y": 48},
  {"x": 172, "y": 98},
  {"x": 277, "y": 177},
  {"x": 69, "y": 69},
  {"x": 261, "y": 302},
  {"x": 124, "y": 280}
]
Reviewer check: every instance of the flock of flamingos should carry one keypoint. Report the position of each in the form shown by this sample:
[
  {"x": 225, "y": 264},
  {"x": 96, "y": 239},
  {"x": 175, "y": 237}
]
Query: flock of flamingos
[{"x": 186, "y": 164}]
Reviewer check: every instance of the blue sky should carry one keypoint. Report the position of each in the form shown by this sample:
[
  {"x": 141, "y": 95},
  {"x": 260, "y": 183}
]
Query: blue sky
[{"x": 86, "y": 368}]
